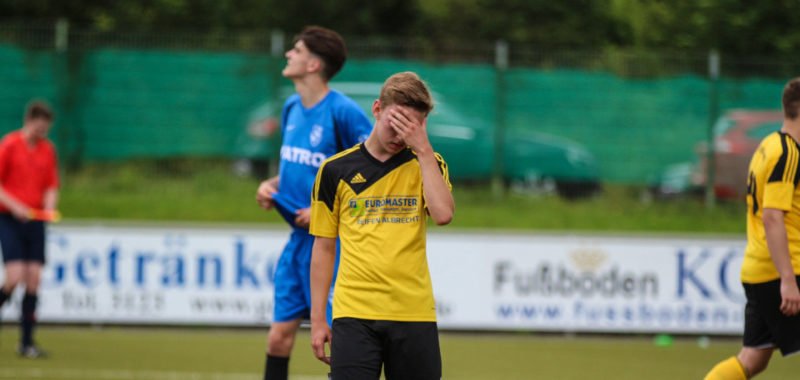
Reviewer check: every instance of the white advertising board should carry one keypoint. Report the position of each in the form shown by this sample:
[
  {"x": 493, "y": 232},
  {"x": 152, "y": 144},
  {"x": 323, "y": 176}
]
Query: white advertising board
[{"x": 481, "y": 281}]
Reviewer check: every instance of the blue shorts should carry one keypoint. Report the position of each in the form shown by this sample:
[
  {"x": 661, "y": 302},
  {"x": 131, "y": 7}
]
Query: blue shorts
[
  {"x": 21, "y": 241},
  {"x": 293, "y": 279}
]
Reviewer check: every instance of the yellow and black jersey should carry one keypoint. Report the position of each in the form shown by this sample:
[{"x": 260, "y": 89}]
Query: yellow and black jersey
[
  {"x": 378, "y": 211},
  {"x": 772, "y": 183}
]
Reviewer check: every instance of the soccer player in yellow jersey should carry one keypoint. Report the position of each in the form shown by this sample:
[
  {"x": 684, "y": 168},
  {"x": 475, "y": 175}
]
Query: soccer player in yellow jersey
[
  {"x": 771, "y": 268},
  {"x": 376, "y": 198}
]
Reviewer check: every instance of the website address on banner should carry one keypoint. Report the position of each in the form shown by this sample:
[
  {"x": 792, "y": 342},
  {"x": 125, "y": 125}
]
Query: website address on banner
[
  {"x": 624, "y": 314},
  {"x": 530, "y": 312},
  {"x": 246, "y": 308}
]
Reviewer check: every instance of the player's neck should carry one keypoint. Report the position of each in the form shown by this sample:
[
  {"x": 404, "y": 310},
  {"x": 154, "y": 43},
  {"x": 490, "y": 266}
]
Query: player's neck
[
  {"x": 792, "y": 128},
  {"x": 375, "y": 149},
  {"x": 312, "y": 90}
]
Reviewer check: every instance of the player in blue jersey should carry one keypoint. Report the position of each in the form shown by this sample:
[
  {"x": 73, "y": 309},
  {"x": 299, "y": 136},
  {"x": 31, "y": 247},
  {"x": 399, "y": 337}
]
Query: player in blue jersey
[{"x": 317, "y": 122}]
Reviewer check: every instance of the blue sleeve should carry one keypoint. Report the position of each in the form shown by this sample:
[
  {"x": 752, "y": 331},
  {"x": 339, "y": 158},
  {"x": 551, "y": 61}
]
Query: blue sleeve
[{"x": 355, "y": 127}]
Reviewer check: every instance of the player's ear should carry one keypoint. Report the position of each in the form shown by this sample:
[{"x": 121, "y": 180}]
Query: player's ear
[
  {"x": 314, "y": 64},
  {"x": 376, "y": 108}
]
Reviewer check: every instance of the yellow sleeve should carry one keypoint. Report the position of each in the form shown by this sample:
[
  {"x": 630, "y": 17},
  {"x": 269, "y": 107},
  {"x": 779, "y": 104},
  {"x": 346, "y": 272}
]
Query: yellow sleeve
[
  {"x": 325, "y": 204},
  {"x": 779, "y": 189},
  {"x": 445, "y": 171},
  {"x": 445, "y": 175}
]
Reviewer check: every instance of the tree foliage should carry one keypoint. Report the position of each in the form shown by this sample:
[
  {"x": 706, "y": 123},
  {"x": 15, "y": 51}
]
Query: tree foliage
[{"x": 731, "y": 26}]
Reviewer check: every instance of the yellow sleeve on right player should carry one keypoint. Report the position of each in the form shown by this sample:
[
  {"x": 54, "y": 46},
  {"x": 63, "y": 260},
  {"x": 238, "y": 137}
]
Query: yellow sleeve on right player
[
  {"x": 779, "y": 189},
  {"x": 325, "y": 204}
]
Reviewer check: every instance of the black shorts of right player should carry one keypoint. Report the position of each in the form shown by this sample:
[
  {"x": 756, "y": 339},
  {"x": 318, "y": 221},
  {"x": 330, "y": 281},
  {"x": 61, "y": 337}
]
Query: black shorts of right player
[
  {"x": 407, "y": 350},
  {"x": 764, "y": 324},
  {"x": 21, "y": 241}
]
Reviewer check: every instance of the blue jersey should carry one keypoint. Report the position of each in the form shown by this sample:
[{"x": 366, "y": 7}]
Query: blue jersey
[{"x": 310, "y": 136}]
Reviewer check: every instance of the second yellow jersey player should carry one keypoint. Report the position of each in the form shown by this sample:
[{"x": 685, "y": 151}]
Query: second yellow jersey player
[{"x": 772, "y": 183}]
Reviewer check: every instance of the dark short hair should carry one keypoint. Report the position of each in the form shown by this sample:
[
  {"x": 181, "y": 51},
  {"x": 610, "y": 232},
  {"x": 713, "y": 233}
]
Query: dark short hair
[
  {"x": 406, "y": 89},
  {"x": 791, "y": 99},
  {"x": 326, "y": 44},
  {"x": 38, "y": 109}
]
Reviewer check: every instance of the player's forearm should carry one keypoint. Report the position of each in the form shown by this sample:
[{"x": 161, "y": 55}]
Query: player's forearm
[
  {"x": 440, "y": 203},
  {"x": 50, "y": 200},
  {"x": 274, "y": 181},
  {"x": 9, "y": 201},
  {"x": 323, "y": 257},
  {"x": 777, "y": 242}
]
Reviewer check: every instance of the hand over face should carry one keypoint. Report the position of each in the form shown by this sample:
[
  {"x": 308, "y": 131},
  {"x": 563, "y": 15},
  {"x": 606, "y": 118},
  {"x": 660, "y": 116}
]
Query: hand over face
[{"x": 411, "y": 125}]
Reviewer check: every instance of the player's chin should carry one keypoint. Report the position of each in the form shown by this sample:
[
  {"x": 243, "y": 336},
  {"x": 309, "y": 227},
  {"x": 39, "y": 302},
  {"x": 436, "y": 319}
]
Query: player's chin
[{"x": 395, "y": 148}]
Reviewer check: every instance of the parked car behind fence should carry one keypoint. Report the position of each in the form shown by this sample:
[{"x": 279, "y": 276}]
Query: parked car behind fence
[
  {"x": 737, "y": 134},
  {"x": 530, "y": 159}
]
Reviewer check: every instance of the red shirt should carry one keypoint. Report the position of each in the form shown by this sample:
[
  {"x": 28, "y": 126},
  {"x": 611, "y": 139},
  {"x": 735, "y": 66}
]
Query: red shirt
[{"x": 26, "y": 172}]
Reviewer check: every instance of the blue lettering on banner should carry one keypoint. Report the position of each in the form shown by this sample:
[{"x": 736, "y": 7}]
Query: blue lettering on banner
[
  {"x": 141, "y": 262},
  {"x": 81, "y": 270},
  {"x": 243, "y": 271},
  {"x": 623, "y": 315},
  {"x": 113, "y": 256},
  {"x": 201, "y": 270},
  {"x": 529, "y": 312},
  {"x": 688, "y": 273},
  {"x": 120, "y": 266},
  {"x": 723, "y": 278},
  {"x": 173, "y": 271}
]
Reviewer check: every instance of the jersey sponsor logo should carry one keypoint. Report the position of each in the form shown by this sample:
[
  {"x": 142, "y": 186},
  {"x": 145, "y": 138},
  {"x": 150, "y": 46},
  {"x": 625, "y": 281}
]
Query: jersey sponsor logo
[
  {"x": 358, "y": 178},
  {"x": 390, "y": 202},
  {"x": 388, "y": 209},
  {"x": 316, "y": 135},
  {"x": 357, "y": 208},
  {"x": 302, "y": 156}
]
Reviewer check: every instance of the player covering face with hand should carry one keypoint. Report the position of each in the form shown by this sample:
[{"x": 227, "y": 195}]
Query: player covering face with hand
[{"x": 376, "y": 198}]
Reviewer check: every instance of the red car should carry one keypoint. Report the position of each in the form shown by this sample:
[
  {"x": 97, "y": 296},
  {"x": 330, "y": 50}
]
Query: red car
[{"x": 738, "y": 133}]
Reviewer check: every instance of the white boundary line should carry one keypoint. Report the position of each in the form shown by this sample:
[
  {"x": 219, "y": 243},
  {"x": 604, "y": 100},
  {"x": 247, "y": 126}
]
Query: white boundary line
[{"x": 99, "y": 374}]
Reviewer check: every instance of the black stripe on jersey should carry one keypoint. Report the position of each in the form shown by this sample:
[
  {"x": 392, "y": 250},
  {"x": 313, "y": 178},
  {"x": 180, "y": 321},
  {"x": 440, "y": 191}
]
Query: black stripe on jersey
[
  {"x": 358, "y": 169},
  {"x": 371, "y": 169},
  {"x": 796, "y": 168},
  {"x": 780, "y": 167},
  {"x": 327, "y": 187},
  {"x": 794, "y": 154},
  {"x": 440, "y": 161}
]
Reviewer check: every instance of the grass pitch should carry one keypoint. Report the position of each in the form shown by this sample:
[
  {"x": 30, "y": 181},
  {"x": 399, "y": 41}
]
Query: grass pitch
[{"x": 238, "y": 354}]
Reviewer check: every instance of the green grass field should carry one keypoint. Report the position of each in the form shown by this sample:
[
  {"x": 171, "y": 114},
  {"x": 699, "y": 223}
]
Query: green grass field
[{"x": 238, "y": 354}]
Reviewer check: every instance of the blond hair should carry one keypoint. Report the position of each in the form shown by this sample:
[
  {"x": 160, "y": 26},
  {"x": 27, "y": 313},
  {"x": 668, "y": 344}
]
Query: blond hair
[{"x": 406, "y": 89}]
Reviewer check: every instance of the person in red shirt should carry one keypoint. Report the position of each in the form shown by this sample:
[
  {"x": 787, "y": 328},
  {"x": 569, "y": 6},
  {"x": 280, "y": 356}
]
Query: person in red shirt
[{"x": 28, "y": 181}]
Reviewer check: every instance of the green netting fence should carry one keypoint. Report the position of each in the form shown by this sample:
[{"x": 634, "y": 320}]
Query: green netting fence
[{"x": 633, "y": 115}]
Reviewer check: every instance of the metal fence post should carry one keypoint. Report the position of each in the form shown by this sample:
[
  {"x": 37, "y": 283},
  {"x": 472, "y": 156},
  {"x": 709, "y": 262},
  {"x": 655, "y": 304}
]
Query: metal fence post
[
  {"x": 713, "y": 114},
  {"x": 276, "y": 43},
  {"x": 61, "y": 75},
  {"x": 501, "y": 65}
]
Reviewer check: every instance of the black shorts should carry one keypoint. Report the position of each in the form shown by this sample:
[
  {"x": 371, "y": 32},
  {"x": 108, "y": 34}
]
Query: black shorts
[
  {"x": 407, "y": 350},
  {"x": 21, "y": 241},
  {"x": 764, "y": 324}
]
